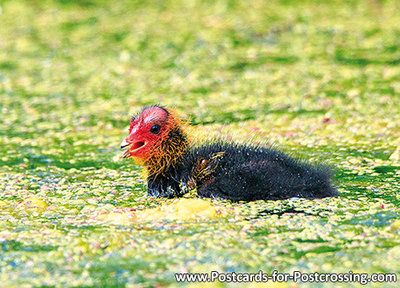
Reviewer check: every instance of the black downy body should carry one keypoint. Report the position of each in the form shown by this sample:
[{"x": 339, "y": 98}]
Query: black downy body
[{"x": 241, "y": 172}]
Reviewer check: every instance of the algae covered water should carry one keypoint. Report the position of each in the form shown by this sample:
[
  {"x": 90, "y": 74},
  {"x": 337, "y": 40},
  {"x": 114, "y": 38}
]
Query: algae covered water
[{"x": 317, "y": 80}]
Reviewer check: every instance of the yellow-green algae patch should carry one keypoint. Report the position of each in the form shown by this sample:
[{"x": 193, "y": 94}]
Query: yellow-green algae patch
[
  {"x": 179, "y": 210},
  {"x": 183, "y": 209}
]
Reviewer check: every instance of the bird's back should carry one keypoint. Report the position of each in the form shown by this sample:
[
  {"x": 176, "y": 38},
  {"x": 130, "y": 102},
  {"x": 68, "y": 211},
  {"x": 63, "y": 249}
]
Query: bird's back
[{"x": 246, "y": 173}]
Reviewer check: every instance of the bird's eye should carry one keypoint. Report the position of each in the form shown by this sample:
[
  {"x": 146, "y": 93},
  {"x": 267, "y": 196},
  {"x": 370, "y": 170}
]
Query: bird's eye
[{"x": 155, "y": 129}]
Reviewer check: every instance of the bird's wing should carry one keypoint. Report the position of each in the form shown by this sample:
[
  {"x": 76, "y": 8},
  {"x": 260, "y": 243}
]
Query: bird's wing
[{"x": 202, "y": 171}]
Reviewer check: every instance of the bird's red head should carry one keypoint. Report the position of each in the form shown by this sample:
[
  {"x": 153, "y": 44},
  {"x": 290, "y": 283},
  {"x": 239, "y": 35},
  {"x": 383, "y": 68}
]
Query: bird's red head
[{"x": 151, "y": 140}]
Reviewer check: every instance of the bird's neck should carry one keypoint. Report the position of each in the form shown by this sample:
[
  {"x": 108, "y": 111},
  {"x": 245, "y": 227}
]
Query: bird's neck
[{"x": 168, "y": 153}]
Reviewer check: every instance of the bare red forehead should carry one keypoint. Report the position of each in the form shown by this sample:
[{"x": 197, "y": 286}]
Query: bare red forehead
[{"x": 153, "y": 114}]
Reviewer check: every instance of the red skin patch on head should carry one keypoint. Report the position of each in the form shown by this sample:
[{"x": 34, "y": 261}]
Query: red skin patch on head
[
  {"x": 150, "y": 141},
  {"x": 150, "y": 115},
  {"x": 154, "y": 114},
  {"x": 142, "y": 140}
]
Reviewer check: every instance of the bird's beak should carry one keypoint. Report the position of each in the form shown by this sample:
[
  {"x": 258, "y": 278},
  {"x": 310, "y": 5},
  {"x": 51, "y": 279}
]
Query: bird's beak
[
  {"x": 125, "y": 144},
  {"x": 131, "y": 147}
]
